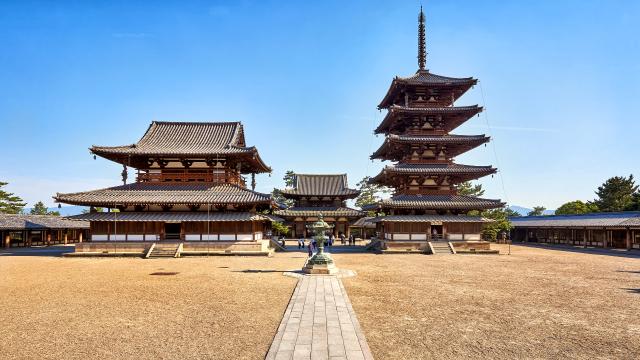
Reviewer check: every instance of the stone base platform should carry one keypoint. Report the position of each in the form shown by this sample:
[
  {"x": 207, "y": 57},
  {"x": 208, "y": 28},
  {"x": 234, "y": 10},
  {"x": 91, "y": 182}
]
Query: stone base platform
[
  {"x": 422, "y": 247},
  {"x": 200, "y": 248}
]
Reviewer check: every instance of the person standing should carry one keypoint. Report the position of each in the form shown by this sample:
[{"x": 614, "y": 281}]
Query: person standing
[
  {"x": 301, "y": 242},
  {"x": 341, "y": 238},
  {"x": 310, "y": 248}
]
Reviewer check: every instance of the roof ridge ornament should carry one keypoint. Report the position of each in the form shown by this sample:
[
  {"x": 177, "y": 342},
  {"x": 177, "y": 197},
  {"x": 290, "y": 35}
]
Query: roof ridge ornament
[{"x": 422, "y": 47}]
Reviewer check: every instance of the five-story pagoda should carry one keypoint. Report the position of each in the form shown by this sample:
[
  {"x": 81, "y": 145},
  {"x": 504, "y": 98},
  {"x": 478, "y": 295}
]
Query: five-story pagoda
[{"x": 426, "y": 205}]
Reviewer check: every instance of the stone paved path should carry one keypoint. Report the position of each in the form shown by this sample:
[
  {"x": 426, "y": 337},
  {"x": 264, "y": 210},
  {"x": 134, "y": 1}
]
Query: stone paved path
[{"x": 319, "y": 323}]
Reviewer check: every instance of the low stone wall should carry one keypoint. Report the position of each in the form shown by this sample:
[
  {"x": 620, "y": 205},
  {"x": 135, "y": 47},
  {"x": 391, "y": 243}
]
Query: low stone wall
[
  {"x": 260, "y": 247},
  {"x": 471, "y": 245},
  {"x": 395, "y": 246},
  {"x": 114, "y": 247}
]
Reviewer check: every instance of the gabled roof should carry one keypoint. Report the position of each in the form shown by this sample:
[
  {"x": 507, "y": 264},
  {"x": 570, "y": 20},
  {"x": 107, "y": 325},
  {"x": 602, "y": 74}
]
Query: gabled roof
[
  {"x": 426, "y": 79},
  {"x": 612, "y": 219},
  {"x": 317, "y": 210},
  {"x": 321, "y": 185},
  {"x": 437, "y": 202},
  {"x": 454, "y": 115},
  {"x": 186, "y": 139},
  {"x": 166, "y": 194},
  {"x": 38, "y": 222},
  {"x": 456, "y": 144},
  {"x": 174, "y": 216},
  {"x": 464, "y": 172}
]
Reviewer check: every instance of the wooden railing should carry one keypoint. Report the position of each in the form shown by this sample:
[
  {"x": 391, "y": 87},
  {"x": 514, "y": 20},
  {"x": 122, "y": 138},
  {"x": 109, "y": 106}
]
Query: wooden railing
[{"x": 219, "y": 178}]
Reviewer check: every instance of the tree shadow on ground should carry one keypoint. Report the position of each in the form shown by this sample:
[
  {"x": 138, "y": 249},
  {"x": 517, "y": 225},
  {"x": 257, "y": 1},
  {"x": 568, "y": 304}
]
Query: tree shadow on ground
[
  {"x": 633, "y": 291},
  {"x": 46, "y": 251},
  {"x": 633, "y": 254},
  {"x": 629, "y": 271}
]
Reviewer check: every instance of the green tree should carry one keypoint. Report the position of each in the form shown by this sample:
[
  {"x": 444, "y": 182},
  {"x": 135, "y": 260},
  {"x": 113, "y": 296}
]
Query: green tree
[
  {"x": 467, "y": 188},
  {"x": 10, "y": 203},
  {"x": 616, "y": 194},
  {"x": 500, "y": 222},
  {"x": 635, "y": 202},
  {"x": 280, "y": 228},
  {"x": 537, "y": 211},
  {"x": 289, "y": 179},
  {"x": 511, "y": 213},
  {"x": 576, "y": 207},
  {"x": 40, "y": 209},
  {"x": 369, "y": 193},
  {"x": 277, "y": 196}
]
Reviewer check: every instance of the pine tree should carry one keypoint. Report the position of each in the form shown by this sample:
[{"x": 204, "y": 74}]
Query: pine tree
[
  {"x": 537, "y": 211},
  {"x": 10, "y": 203},
  {"x": 576, "y": 207},
  {"x": 616, "y": 194},
  {"x": 467, "y": 188},
  {"x": 369, "y": 193},
  {"x": 40, "y": 209}
]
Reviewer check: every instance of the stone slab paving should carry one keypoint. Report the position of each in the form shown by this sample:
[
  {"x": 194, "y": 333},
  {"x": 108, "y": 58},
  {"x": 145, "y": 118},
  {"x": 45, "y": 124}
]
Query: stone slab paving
[{"x": 319, "y": 323}]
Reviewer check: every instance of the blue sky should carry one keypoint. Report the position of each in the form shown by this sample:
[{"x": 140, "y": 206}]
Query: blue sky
[{"x": 560, "y": 80}]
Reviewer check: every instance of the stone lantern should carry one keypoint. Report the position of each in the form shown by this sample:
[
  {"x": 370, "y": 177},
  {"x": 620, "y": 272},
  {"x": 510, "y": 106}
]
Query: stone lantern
[{"x": 321, "y": 262}]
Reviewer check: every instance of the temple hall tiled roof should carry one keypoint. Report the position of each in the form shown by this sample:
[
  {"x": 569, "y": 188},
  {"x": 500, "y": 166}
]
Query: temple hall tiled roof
[
  {"x": 365, "y": 222},
  {"x": 433, "y": 219},
  {"x": 183, "y": 139},
  {"x": 321, "y": 185},
  {"x": 436, "y": 202},
  {"x": 317, "y": 210},
  {"x": 166, "y": 194},
  {"x": 613, "y": 219},
  {"x": 38, "y": 222},
  {"x": 174, "y": 216}
]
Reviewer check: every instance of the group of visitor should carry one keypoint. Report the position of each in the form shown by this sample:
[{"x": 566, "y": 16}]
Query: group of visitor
[{"x": 312, "y": 245}]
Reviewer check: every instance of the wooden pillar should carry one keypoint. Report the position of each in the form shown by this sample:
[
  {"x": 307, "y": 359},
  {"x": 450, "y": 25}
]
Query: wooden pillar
[
  {"x": 48, "y": 238},
  {"x": 66, "y": 238},
  {"x": 7, "y": 240},
  {"x": 80, "y": 236},
  {"x": 584, "y": 238},
  {"x": 606, "y": 239},
  {"x": 628, "y": 239}
]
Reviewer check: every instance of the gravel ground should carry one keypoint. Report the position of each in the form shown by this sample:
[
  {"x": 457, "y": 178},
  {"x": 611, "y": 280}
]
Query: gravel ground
[
  {"x": 535, "y": 303},
  {"x": 214, "y": 308}
]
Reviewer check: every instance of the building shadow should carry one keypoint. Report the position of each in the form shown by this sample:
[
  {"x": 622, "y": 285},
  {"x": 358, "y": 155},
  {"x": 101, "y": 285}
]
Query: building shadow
[
  {"x": 634, "y": 254},
  {"x": 629, "y": 271},
  {"x": 45, "y": 251},
  {"x": 633, "y": 291}
]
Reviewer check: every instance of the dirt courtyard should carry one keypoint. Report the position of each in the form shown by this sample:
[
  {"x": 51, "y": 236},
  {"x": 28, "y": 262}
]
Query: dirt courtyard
[{"x": 535, "y": 303}]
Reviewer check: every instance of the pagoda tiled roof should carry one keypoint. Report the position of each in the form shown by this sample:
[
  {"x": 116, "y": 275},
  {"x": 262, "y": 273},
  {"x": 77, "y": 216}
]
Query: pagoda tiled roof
[
  {"x": 38, "y": 222},
  {"x": 186, "y": 139},
  {"x": 437, "y": 202},
  {"x": 427, "y": 79},
  {"x": 145, "y": 193},
  {"x": 321, "y": 185},
  {"x": 174, "y": 216},
  {"x": 436, "y": 169},
  {"x": 466, "y": 141},
  {"x": 317, "y": 210},
  {"x": 465, "y": 111}
]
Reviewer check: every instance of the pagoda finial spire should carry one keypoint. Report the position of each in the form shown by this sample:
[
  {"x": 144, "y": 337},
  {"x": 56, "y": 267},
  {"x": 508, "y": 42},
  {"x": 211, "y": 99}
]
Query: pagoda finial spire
[{"x": 422, "y": 46}]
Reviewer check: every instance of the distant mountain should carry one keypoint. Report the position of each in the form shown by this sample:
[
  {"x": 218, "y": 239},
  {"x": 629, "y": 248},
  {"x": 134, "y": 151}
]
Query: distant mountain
[
  {"x": 64, "y": 211},
  {"x": 524, "y": 211}
]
